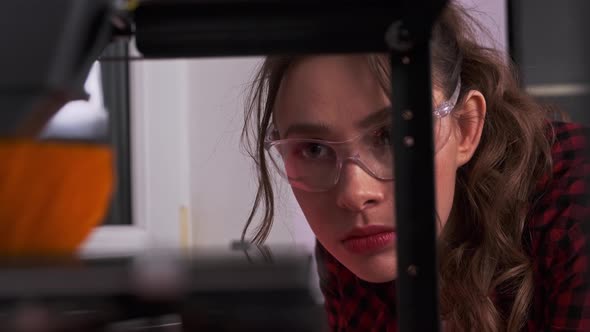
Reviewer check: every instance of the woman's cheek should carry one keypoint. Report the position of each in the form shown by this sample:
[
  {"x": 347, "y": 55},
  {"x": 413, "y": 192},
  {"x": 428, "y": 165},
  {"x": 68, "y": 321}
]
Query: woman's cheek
[
  {"x": 445, "y": 176},
  {"x": 313, "y": 206}
]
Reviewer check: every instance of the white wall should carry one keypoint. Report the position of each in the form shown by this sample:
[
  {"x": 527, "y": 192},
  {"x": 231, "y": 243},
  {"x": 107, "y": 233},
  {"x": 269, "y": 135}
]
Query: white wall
[
  {"x": 161, "y": 151},
  {"x": 492, "y": 14},
  {"x": 223, "y": 182}
]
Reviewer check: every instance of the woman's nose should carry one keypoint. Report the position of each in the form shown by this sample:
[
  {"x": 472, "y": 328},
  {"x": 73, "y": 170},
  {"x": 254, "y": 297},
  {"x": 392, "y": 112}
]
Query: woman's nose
[{"x": 357, "y": 190}]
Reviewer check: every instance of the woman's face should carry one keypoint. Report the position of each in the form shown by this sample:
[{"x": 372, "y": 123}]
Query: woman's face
[{"x": 334, "y": 98}]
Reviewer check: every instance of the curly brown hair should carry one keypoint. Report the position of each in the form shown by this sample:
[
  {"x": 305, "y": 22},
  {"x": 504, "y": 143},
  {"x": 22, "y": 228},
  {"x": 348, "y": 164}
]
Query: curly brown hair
[{"x": 481, "y": 250}]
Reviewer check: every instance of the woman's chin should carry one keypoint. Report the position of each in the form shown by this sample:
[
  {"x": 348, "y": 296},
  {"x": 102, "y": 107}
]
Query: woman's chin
[{"x": 377, "y": 269}]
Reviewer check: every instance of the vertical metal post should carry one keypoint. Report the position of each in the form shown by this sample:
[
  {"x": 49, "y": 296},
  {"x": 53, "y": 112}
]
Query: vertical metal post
[{"x": 411, "y": 96}]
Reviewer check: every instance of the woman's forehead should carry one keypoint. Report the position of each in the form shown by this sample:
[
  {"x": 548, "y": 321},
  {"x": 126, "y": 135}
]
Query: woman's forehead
[
  {"x": 338, "y": 92},
  {"x": 334, "y": 90}
]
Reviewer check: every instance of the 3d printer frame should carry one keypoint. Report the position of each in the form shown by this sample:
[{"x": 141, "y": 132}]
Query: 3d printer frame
[
  {"x": 170, "y": 29},
  {"x": 207, "y": 28}
]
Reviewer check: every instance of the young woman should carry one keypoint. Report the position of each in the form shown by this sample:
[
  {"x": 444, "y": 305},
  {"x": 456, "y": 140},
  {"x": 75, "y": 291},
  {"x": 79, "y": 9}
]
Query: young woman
[{"x": 510, "y": 186}]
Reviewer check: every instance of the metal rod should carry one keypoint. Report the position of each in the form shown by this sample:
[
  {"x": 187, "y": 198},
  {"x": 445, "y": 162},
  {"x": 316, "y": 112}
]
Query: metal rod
[
  {"x": 169, "y": 28},
  {"x": 411, "y": 95}
]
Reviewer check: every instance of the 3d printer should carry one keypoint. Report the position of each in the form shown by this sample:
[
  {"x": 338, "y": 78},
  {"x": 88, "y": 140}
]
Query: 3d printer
[{"x": 49, "y": 60}]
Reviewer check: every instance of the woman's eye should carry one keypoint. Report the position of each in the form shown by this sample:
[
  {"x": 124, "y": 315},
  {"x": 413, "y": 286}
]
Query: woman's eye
[
  {"x": 382, "y": 136},
  {"x": 314, "y": 151}
]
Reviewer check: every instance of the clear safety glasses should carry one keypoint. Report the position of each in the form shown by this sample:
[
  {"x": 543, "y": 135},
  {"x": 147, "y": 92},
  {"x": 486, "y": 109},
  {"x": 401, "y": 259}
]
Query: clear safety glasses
[{"x": 314, "y": 165}]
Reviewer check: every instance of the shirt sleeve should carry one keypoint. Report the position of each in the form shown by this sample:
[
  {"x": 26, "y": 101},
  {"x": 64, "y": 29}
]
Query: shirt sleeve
[
  {"x": 568, "y": 308},
  {"x": 564, "y": 239}
]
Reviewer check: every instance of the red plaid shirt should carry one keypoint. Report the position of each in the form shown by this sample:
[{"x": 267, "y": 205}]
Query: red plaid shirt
[{"x": 558, "y": 241}]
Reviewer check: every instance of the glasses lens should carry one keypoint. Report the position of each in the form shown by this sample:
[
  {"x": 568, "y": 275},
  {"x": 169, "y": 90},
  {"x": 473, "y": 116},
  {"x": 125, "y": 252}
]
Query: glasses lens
[
  {"x": 312, "y": 165},
  {"x": 307, "y": 165},
  {"x": 378, "y": 156}
]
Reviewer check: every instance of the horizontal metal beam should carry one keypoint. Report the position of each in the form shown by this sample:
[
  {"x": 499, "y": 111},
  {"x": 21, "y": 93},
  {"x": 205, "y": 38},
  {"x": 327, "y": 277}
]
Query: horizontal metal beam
[{"x": 231, "y": 28}]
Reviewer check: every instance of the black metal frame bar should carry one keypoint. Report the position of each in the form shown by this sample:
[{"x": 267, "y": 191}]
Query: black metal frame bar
[
  {"x": 115, "y": 84},
  {"x": 513, "y": 11},
  {"x": 417, "y": 286},
  {"x": 223, "y": 28}
]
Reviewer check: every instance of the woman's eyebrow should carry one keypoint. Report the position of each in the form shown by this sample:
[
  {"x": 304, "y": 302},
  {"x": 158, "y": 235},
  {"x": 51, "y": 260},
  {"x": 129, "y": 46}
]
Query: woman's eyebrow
[
  {"x": 375, "y": 118},
  {"x": 308, "y": 129}
]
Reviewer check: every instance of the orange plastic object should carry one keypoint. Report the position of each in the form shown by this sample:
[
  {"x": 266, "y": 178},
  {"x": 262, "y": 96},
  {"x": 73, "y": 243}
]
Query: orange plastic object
[{"x": 52, "y": 195}]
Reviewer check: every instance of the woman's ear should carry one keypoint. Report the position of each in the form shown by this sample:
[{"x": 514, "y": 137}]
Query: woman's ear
[{"x": 470, "y": 120}]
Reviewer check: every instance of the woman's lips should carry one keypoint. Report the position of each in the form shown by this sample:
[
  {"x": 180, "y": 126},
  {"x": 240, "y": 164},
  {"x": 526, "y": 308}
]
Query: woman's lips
[{"x": 369, "y": 239}]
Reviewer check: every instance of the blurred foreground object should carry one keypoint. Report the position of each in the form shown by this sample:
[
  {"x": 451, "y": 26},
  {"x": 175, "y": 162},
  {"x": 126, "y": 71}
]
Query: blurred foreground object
[
  {"x": 48, "y": 50},
  {"x": 206, "y": 290},
  {"x": 52, "y": 194}
]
